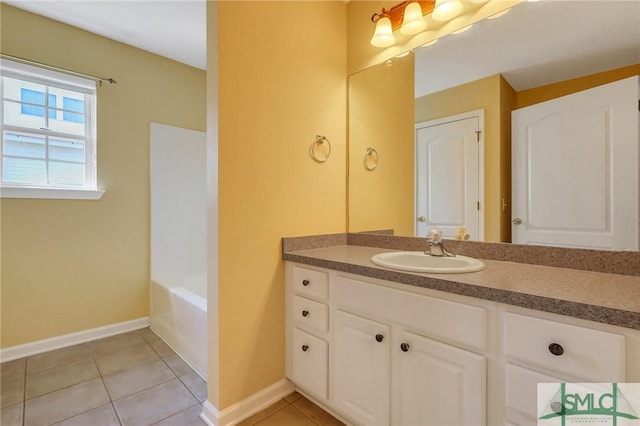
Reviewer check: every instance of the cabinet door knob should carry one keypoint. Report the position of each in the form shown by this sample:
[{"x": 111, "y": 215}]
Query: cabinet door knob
[
  {"x": 305, "y": 348},
  {"x": 404, "y": 347},
  {"x": 305, "y": 313},
  {"x": 556, "y": 349},
  {"x": 305, "y": 282},
  {"x": 379, "y": 338}
]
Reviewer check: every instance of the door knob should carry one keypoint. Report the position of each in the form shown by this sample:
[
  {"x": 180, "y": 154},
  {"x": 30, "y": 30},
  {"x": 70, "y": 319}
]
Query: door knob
[
  {"x": 517, "y": 221},
  {"x": 422, "y": 219}
]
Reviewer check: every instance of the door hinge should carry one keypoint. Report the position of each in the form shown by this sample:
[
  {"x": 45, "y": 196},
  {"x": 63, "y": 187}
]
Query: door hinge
[
  {"x": 478, "y": 205},
  {"x": 638, "y": 104},
  {"x": 478, "y": 135}
]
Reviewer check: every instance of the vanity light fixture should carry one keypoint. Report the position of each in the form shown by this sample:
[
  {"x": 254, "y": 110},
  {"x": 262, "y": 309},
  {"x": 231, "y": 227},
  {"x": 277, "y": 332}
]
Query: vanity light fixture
[
  {"x": 415, "y": 16},
  {"x": 407, "y": 16}
]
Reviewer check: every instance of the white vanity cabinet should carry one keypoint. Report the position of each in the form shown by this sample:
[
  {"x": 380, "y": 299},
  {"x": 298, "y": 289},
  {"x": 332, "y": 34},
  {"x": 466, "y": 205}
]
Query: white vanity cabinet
[
  {"x": 396, "y": 357},
  {"x": 376, "y": 352}
]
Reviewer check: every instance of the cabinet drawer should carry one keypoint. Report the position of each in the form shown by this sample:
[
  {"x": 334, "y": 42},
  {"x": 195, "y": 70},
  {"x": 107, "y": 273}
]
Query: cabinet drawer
[
  {"x": 314, "y": 314},
  {"x": 583, "y": 353},
  {"x": 446, "y": 320},
  {"x": 310, "y": 362},
  {"x": 310, "y": 282},
  {"x": 521, "y": 393}
]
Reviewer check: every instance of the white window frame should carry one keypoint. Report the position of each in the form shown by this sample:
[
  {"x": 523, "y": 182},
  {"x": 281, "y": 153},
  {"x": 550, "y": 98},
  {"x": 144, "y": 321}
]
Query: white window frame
[{"x": 47, "y": 77}]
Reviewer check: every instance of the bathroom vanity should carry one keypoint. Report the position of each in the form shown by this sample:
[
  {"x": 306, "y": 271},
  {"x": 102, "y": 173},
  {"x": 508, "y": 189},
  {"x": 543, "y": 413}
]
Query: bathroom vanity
[{"x": 381, "y": 347}]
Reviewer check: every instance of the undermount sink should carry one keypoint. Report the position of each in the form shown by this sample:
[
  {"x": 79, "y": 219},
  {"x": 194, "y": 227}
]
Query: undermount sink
[{"x": 417, "y": 261}]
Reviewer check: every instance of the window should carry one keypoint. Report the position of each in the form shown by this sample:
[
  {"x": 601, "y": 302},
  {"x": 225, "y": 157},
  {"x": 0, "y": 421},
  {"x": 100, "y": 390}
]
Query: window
[{"x": 48, "y": 134}]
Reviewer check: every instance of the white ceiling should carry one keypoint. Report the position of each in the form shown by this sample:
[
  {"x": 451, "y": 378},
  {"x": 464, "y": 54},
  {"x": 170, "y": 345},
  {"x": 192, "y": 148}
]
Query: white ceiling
[
  {"x": 535, "y": 43},
  {"x": 175, "y": 29}
]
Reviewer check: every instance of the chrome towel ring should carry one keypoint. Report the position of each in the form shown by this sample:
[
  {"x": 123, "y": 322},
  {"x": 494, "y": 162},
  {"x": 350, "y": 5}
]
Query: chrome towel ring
[
  {"x": 371, "y": 159},
  {"x": 318, "y": 154}
]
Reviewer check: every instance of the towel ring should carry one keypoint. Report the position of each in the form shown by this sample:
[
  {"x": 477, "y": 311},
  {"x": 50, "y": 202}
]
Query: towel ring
[
  {"x": 320, "y": 140},
  {"x": 371, "y": 159}
]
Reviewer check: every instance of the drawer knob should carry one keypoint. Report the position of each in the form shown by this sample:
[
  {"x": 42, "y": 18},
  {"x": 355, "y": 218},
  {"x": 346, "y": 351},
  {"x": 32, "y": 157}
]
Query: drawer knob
[
  {"x": 556, "y": 349},
  {"x": 305, "y": 282},
  {"x": 305, "y": 348},
  {"x": 404, "y": 347},
  {"x": 379, "y": 338},
  {"x": 305, "y": 313}
]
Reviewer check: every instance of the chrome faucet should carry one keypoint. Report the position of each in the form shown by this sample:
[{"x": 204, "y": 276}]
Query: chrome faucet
[{"x": 435, "y": 245}]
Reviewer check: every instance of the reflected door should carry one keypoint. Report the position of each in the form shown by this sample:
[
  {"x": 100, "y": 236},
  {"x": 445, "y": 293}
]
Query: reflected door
[
  {"x": 575, "y": 169},
  {"x": 448, "y": 176}
]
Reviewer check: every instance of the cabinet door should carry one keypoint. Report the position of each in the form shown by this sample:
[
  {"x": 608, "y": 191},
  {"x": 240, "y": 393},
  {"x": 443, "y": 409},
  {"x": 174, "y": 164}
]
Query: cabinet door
[
  {"x": 436, "y": 384},
  {"x": 361, "y": 369}
]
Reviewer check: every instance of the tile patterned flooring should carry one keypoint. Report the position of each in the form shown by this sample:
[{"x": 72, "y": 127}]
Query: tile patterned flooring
[{"x": 128, "y": 379}]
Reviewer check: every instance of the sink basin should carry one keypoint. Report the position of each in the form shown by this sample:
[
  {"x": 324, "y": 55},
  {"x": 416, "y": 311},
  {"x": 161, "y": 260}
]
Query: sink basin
[{"x": 417, "y": 261}]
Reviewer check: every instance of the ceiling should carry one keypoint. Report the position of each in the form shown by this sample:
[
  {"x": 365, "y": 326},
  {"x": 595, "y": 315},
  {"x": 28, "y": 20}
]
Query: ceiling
[
  {"x": 534, "y": 44},
  {"x": 175, "y": 29}
]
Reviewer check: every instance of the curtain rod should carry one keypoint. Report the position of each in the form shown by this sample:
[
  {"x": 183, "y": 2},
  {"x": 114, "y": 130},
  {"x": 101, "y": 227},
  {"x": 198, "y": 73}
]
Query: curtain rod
[{"x": 52, "y": 68}]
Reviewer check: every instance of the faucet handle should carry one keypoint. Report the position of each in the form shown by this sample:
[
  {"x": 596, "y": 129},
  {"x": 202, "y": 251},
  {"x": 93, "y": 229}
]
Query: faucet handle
[{"x": 435, "y": 235}]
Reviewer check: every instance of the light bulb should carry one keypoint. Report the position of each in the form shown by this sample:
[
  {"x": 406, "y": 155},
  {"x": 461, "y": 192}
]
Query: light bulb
[
  {"x": 383, "y": 34},
  {"x": 446, "y": 10},
  {"x": 413, "y": 22}
]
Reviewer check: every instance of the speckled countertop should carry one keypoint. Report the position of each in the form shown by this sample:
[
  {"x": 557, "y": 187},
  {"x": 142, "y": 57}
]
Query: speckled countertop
[{"x": 595, "y": 296}]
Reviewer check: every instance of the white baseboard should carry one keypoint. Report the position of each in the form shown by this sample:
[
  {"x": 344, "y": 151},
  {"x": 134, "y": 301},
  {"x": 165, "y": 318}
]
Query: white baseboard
[
  {"x": 241, "y": 410},
  {"x": 45, "y": 345}
]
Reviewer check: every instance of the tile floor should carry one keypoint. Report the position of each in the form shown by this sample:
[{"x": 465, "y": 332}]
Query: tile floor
[{"x": 127, "y": 379}]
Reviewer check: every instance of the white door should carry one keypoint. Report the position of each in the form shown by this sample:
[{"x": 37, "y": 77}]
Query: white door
[
  {"x": 449, "y": 176},
  {"x": 575, "y": 169},
  {"x": 361, "y": 369},
  {"x": 437, "y": 384}
]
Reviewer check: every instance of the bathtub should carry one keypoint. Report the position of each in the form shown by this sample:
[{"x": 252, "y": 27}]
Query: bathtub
[{"x": 179, "y": 317}]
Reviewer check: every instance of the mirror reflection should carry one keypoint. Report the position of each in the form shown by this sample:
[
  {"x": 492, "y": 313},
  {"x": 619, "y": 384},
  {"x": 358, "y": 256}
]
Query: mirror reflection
[{"x": 421, "y": 113}]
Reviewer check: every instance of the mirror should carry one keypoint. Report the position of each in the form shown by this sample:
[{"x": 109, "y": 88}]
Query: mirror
[{"x": 538, "y": 51}]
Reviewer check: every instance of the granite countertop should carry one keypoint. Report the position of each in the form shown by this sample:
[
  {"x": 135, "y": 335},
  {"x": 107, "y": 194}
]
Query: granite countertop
[{"x": 595, "y": 296}]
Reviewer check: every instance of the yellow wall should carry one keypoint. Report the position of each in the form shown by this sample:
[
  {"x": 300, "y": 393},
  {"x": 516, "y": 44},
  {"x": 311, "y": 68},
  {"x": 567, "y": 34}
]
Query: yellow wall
[
  {"x": 551, "y": 91},
  {"x": 282, "y": 80},
  {"x": 381, "y": 117},
  {"x": 71, "y": 265},
  {"x": 507, "y": 104},
  {"x": 480, "y": 94}
]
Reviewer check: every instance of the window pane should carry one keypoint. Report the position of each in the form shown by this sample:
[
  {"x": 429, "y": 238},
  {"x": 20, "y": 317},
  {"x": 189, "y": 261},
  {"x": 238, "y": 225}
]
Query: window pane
[
  {"x": 21, "y": 145},
  {"x": 73, "y": 117},
  {"x": 22, "y": 170},
  {"x": 73, "y": 104},
  {"x": 14, "y": 116},
  {"x": 66, "y": 150},
  {"x": 66, "y": 126},
  {"x": 67, "y": 174},
  {"x": 13, "y": 88}
]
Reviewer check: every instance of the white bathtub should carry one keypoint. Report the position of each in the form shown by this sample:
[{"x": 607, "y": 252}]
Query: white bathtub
[{"x": 179, "y": 317}]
